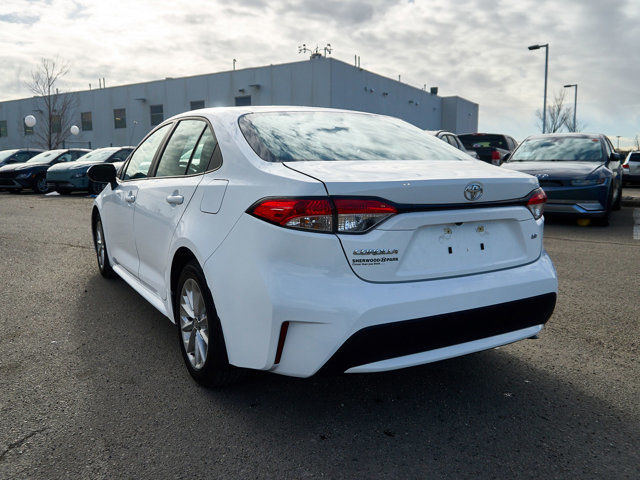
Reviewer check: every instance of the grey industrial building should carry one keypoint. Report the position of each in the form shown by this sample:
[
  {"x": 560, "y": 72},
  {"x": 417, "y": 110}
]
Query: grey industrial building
[{"x": 122, "y": 115}]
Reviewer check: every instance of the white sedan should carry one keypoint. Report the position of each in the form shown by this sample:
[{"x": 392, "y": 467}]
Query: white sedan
[{"x": 299, "y": 240}]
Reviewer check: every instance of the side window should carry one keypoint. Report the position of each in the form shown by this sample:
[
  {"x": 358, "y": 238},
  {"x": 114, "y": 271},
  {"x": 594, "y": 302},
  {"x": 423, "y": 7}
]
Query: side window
[
  {"x": 176, "y": 156},
  {"x": 608, "y": 148},
  {"x": 452, "y": 141},
  {"x": 77, "y": 155},
  {"x": 21, "y": 157},
  {"x": 64, "y": 158},
  {"x": 138, "y": 166},
  {"x": 119, "y": 156},
  {"x": 203, "y": 153}
]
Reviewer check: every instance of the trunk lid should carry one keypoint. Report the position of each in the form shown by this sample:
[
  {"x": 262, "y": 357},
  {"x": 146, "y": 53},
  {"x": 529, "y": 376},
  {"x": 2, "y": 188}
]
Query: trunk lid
[{"x": 441, "y": 242}]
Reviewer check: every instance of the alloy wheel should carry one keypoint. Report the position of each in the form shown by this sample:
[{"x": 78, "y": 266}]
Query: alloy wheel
[
  {"x": 194, "y": 324},
  {"x": 100, "y": 245}
]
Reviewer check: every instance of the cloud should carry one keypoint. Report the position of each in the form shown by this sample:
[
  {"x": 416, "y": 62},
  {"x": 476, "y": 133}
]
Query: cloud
[{"x": 472, "y": 48}]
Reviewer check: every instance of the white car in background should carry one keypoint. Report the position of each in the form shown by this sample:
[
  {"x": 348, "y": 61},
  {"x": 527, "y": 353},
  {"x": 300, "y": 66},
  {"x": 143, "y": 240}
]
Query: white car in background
[
  {"x": 296, "y": 240},
  {"x": 631, "y": 169},
  {"x": 453, "y": 140}
]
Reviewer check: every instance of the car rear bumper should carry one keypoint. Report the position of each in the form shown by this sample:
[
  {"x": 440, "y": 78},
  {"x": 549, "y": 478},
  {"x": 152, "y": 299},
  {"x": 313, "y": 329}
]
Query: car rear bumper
[
  {"x": 582, "y": 201},
  {"x": 310, "y": 286},
  {"x": 631, "y": 178}
]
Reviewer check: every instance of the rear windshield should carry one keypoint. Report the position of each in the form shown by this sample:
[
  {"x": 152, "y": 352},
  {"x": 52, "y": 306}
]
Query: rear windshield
[
  {"x": 330, "y": 136},
  {"x": 559, "y": 149},
  {"x": 479, "y": 140},
  {"x": 634, "y": 157}
]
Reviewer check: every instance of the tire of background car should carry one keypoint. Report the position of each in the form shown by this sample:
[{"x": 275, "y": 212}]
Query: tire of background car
[
  {"x": 40, "y": 184},
  {"x": 604, "y": 220},
  {"x": 617, "y": 205},
  {"x": 95, "y": 188},
  {"x": 199, "y": 329},
  {"x": 15, "y": 190},
  {"x": 102, "y": 255},
  {"x": 64, "y": 192}
]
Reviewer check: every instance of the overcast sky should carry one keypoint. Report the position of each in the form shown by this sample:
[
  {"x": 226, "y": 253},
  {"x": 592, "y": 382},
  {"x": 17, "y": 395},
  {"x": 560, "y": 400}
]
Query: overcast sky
[{"x": 473, "y": 48}]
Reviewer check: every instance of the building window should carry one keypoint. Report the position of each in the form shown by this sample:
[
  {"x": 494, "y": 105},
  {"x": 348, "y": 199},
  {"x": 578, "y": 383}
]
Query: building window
[
  {"x": 56, "y": 123},
  {"x": 243, "y": 101},
  {"x": 86, "y": 121},
  {"x": 3, "y": 128},
  {"x": 197, "y": 104},
  {"x": 120, "y": 117},
  {"x": 157, "y": 114}
]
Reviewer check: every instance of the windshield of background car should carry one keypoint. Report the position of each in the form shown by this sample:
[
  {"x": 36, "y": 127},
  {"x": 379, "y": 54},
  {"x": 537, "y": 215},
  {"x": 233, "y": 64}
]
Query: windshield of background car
[
  {"x": 331, "y": 136},
  {"x": 6, "y": 154},
  {"x": 478, "y": 141},
  {"x": 559, "y": 149},
  {"x": 99, "y": 155},
  {"x": 46, "y": 157}
]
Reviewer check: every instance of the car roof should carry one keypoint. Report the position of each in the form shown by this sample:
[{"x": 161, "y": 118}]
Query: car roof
[
  {"x": 571, "y": 134},
  {"x": 235, "y": 112}
]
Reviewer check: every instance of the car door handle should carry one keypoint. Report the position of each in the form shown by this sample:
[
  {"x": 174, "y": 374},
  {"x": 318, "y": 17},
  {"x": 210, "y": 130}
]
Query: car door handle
[
  {"x": 175, "y": 199},
  {"x": 130, "y": 198}
]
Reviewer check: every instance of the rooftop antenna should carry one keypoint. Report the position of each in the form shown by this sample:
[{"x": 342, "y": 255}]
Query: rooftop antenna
[
  {"x": 303, "y": 49},
  {"x": 327, "y": 49},
  {"x": 234, "y": 63}
]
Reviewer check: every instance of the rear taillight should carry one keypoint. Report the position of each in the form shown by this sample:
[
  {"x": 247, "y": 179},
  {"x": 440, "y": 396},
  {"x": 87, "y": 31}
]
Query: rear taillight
[
  {"x": 626, "y": 165},
  {"x": 495, "y": 157},
  {"x": 313, "y": 214},
  {"x": 536, "y": 202},
  {"x": 339, "y": 215},
  {"x": 359, "y": 215}
]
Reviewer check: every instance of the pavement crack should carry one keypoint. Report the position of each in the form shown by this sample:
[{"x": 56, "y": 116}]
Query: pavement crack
[{"x": 18, "y": 443}]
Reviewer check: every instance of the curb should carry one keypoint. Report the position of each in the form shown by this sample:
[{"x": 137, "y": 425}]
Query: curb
[{"x": 630, "y": 202}]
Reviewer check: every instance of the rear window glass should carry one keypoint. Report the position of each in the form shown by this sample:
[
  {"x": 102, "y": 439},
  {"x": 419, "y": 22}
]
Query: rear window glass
[
  {"x": 559, "y": 149},
  {"x": 479, "y": 140},
  {"x": 330, "y": 136},
  {"x": 634, "y": 157}
]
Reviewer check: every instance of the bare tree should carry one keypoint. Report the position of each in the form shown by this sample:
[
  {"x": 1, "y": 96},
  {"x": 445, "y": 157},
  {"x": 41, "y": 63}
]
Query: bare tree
[
  {"x": 637, "y": 140},
  {"x": 580, "y": 125},
  {"x": 55, "y": 110},
  {"x": 558, "y": 114}
]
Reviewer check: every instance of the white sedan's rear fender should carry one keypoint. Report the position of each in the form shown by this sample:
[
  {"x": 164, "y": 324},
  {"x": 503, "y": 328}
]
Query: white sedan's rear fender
[{"x": 263, "y": 275}]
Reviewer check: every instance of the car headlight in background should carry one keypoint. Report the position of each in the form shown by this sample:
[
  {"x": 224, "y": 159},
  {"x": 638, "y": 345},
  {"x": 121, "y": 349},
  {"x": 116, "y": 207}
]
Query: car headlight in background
[
  {"x": 24, "y": 176},
  {"x": 587, "y": 182},
  {"x": 79, "y": 174}
]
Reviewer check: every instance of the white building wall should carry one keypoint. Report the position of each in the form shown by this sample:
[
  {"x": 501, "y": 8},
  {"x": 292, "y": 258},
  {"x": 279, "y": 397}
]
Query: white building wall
[{"x": 322, "y": 82}]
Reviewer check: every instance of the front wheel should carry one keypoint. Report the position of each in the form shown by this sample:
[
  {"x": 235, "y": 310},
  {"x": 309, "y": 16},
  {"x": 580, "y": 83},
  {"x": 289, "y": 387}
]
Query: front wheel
[
  {"x": 199, "y": 330},
  {"x": 617, "y": 204},
  {"x": 101, "y": 250},
  {"x": 40, "y": 185}
]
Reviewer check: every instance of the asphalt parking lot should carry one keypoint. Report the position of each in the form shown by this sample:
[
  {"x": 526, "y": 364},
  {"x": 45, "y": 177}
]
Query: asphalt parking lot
[{"x": 92, "y": 384}]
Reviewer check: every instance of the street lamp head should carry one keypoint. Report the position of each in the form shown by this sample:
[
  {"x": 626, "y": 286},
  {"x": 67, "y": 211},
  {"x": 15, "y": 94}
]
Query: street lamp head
[
  {"x": 534, "y": 47},
  {"x": 571, "y": 85}
]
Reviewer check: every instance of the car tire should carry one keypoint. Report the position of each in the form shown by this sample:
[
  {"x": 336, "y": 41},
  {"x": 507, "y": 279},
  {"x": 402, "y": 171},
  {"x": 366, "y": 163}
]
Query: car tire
[
  {"x": 199, "y": 331},
  {"x": 40, "y": 185},
  {"x": 100, "y": 245},
  {"x": 95, "y": 188},
  {"x": 64, "y": 192},
  {"x": 605, "y": 219},
  {"x": 15, "y": 190},
  {"x": 617, "y": 205}
]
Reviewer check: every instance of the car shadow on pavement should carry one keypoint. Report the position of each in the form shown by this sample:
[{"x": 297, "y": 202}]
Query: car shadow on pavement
[{"x": 493, "y": 414}]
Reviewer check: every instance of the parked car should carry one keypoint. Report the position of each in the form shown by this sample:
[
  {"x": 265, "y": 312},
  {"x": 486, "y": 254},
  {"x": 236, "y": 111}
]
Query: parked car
[
  {"x": 18, "y": 155},
  {"x": 490, "y": 147},
  {"x": 295, "y": 240},
  {"x": 581, "y": 173},
  {"x": 68, "y": 177},
  {"x": 631, "y": 169},
  {"x": 453, "y": 140},
  {"x": 32, "y": 173}
]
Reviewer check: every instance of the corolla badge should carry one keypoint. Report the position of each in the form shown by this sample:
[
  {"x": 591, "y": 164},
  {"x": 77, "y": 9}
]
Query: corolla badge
[{"x": 473, "y": 191}]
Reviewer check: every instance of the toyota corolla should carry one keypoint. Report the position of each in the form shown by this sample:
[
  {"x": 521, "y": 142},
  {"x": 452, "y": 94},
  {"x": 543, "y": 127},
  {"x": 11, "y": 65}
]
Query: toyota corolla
[{"x": 305, "y": 240}]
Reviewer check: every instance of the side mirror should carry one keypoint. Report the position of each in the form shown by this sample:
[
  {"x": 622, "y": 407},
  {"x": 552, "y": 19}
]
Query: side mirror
[
  {"x": 506, "y": 157},
  {"x": 615, "y": 157},
  {"x": 103, "y": 173}
]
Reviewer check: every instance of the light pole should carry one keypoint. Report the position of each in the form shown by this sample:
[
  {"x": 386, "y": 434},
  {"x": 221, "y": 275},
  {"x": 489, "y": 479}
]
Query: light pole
[
  {"x": 575, "y": 103},
  {"x": 546, "y": 72}
]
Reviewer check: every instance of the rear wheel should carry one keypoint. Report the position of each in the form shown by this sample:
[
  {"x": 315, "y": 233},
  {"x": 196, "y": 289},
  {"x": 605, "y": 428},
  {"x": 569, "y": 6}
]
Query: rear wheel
[
  {"x": 64, "y": 192},
  {"x": 199, "y": 330},
  {"x": 101, "y": 250},
  {"x": 40, "y": 184}
]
